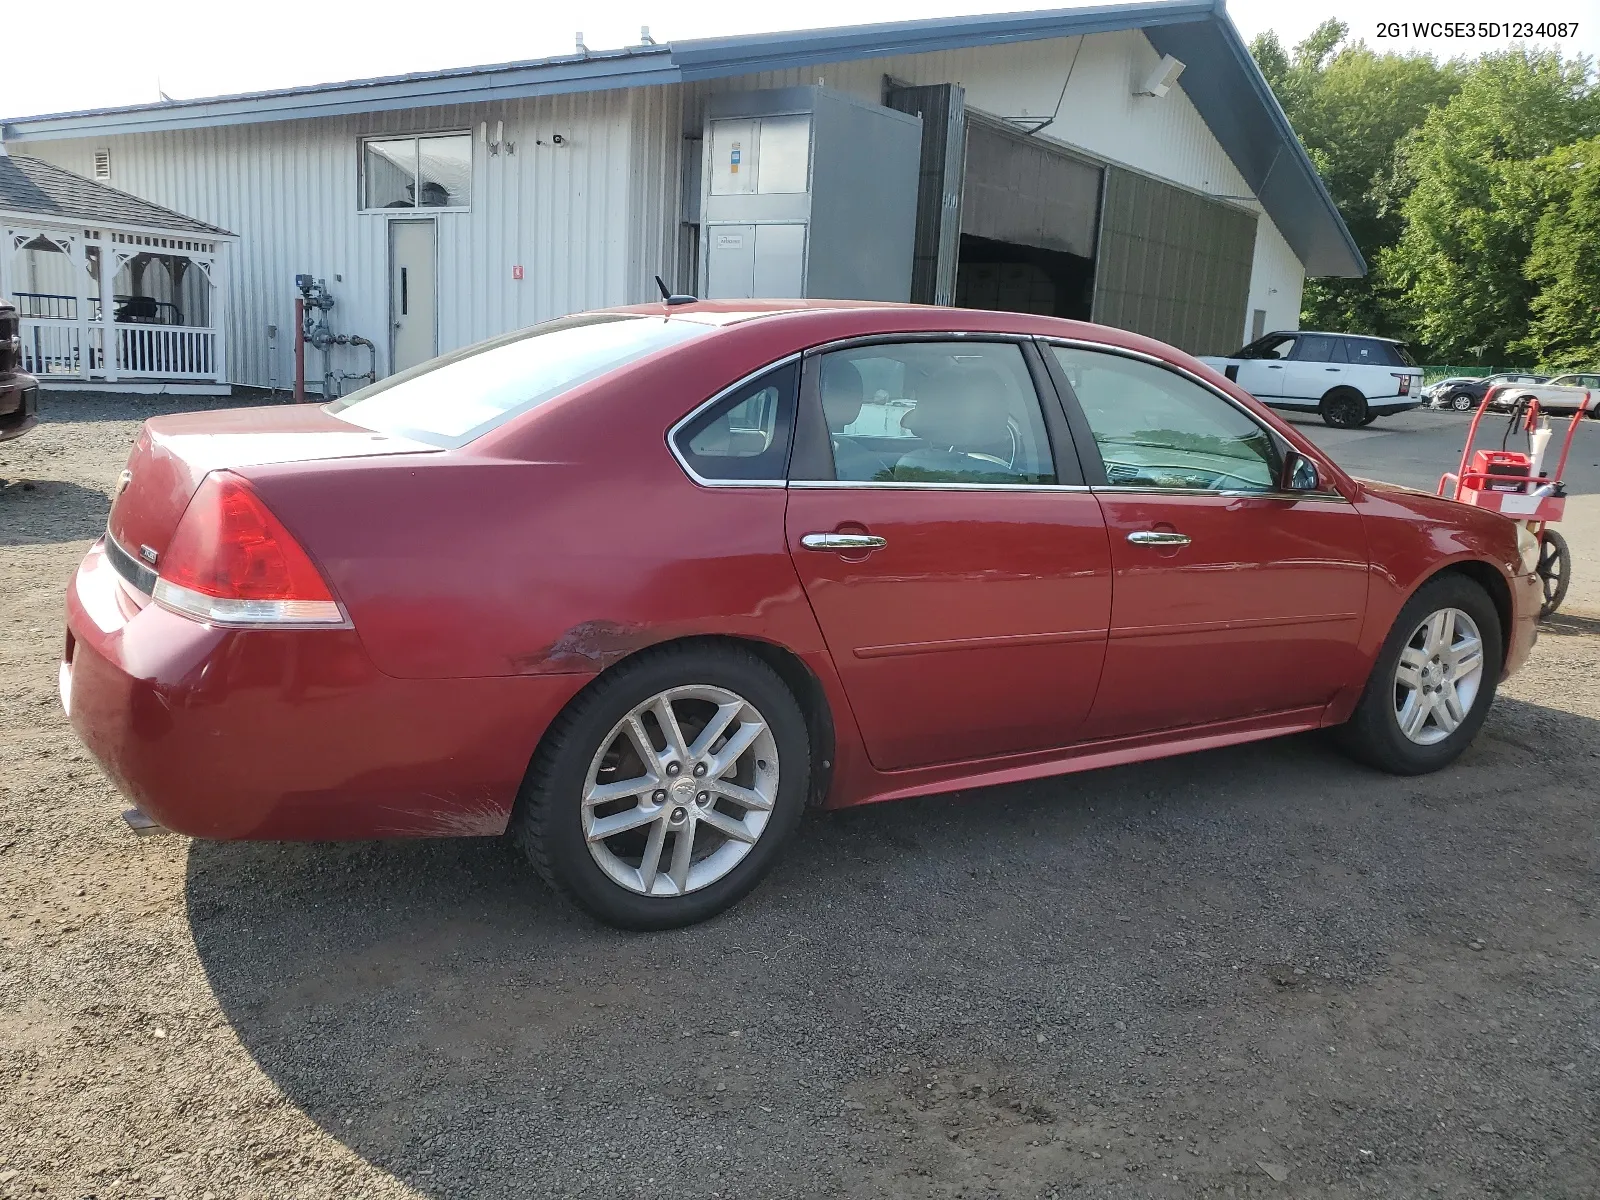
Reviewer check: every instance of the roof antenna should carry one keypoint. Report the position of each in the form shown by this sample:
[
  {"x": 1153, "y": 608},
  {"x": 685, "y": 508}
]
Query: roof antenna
[{"x": 668, "y": 296}]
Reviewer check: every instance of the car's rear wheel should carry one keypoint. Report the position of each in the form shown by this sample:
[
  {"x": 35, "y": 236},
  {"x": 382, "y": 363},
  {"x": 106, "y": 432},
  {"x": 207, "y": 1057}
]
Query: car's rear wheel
[
  {"x": 1555, "y": 570},
  {"x": 1369, "y": 418},
  {"x": 1343, "y": 408},
  {"x": 667, "y": 788},
  {"x": 1433, "y": 682},
  {"x": 1463, "y": 401}
]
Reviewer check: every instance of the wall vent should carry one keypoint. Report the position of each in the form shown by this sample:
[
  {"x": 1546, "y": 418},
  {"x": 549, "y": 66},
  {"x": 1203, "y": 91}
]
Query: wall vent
[{"x": 102, "y": 164}]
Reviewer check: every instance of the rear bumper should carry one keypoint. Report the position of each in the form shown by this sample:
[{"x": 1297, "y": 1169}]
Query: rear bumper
[{"x": 222, "y": 733}]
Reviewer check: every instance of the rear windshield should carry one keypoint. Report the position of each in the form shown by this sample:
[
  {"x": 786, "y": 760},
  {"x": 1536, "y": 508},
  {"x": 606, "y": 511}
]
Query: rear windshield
[{"x": 457, "y": 397}]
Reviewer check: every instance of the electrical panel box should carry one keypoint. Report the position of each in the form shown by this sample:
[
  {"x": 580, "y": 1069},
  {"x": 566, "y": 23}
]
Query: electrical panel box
[{"x": 807, "y": 193}]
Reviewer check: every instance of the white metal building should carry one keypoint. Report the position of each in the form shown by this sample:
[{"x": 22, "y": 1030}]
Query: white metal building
[{"x": 1123, "y": 163}]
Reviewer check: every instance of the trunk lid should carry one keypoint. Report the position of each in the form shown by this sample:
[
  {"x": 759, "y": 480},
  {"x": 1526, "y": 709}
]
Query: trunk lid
[{"x": 174, "y": 453}]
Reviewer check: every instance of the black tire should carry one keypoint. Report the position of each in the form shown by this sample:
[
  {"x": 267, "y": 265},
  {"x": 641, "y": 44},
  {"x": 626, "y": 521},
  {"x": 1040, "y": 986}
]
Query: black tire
[
  {"x": 1555, "y": 570},
  {"x": 1373, "y": 734},
  {"x": 1369, "y": 418},
  {"x": 1343, "y": 408},
  {"x": 548, "y": 823},
  {"x": 1462, "y": 401}
]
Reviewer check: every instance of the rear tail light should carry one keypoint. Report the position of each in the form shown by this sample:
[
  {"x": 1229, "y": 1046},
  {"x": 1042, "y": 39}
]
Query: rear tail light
[
  {"x": 1405, "y": 383},
  {"x": 231, "y": 562}
]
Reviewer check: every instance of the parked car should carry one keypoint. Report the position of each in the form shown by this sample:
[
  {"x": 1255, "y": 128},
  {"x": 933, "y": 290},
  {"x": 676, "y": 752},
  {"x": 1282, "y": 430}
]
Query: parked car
[
  {"x": 19, "y": 393},
  {"x": 1351, "y": 380},
  {"x": 1466, "y": 395},
  {"x": 640, "y": 585},
  {"x": 1435, "y": 394},
  {"x": 1564, "y": 395}
]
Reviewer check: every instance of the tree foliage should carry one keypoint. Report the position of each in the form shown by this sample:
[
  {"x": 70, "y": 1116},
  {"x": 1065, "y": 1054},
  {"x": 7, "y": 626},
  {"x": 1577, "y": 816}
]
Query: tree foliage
[
  {"x": 1351, "y": 108},
  {"x": 1469, "y": 187},
  {"x": 1565, "y": 262}
]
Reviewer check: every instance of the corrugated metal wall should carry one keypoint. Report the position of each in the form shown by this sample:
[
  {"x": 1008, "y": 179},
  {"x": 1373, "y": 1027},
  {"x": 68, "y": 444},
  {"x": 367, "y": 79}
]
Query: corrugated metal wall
[
  {"x": 1173, "y": 265},
  {"x": 588, "y": 221}
]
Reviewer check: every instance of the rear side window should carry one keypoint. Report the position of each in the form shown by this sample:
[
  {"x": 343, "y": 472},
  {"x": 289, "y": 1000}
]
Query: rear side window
[
  {"x": 455, "y": 398},
  {"x": 745, "y": 436},
  {"x": 1369, "y": 352}
]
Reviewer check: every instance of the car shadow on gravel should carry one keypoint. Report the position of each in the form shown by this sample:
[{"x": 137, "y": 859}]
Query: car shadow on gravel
[
  {"x": 37, "y": 512},
  {"x": 1067, "y": 953}
]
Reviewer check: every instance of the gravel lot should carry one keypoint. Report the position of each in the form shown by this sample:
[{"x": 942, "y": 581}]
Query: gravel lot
[{"x": 1260, "y": 971}]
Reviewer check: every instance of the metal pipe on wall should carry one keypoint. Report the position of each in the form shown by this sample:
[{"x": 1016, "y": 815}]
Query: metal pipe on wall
[{"x": 299, "y": 349}]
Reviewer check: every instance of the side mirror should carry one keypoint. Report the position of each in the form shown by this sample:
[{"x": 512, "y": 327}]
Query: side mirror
[{"x": 1300, "y": 473}]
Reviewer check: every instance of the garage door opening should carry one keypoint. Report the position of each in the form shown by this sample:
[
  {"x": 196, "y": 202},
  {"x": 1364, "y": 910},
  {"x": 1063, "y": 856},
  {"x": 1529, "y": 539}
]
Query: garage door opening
[{"x": 1029, "y": 279}]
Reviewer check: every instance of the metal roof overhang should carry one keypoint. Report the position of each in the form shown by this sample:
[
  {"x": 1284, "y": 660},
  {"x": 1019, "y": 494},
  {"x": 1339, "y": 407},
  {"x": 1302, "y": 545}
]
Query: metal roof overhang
[{"x": 1220, "y": 79}]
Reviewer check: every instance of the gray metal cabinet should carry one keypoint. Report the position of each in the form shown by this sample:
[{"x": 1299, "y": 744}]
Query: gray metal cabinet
[{"x": 807, "y": 193}]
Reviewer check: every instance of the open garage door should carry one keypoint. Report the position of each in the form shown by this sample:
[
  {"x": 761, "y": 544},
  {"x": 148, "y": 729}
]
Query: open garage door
[
  {"x": 1028, "y": 218},
  {"x": 1173, "y": 265}
]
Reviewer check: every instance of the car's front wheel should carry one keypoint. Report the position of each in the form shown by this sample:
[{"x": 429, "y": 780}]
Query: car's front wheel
[
  {"x": 1433, "y": 682},
  {"x": 666, "y": 790},
  {"x": 1463, "y": 402}
]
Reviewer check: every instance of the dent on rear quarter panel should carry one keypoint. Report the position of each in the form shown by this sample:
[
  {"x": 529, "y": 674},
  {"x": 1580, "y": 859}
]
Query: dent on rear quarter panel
[{"x": 557, "y": 547}]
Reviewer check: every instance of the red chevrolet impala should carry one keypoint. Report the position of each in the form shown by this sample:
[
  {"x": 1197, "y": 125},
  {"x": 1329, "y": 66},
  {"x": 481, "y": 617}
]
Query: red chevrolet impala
[{"x": 639, "y": 585}]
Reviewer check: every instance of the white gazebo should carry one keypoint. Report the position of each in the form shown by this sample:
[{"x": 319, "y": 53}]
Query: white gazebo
[{"x": 113, "y": 292}]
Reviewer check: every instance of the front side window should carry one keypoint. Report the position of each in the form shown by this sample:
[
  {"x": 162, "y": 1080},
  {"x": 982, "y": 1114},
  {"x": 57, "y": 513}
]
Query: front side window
[
  {"x": 746, "y": 436},
  {"x": 450, "y": 400},
  {"x": 433, "y": 171},
  {"x": 934, "y": 412},
  {"x": 1156, "y": 429}
]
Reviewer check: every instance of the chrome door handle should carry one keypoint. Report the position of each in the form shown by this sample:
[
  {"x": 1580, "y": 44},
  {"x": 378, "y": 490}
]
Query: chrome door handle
[
  {"x": 1154, "y": 537},
  {"x": 843, "y": 541}
]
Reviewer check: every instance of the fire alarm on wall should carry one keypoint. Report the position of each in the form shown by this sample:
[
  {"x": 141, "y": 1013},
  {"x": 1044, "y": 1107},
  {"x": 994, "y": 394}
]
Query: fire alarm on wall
[{"x": 516, "y": 272}]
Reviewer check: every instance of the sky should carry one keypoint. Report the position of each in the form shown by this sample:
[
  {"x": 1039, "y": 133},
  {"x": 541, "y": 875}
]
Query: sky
[{"x": 116, "y": 54}]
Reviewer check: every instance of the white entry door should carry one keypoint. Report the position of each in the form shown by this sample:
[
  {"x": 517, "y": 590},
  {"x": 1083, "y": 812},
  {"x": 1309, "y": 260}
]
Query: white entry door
[{"x": 414, "y": 336}]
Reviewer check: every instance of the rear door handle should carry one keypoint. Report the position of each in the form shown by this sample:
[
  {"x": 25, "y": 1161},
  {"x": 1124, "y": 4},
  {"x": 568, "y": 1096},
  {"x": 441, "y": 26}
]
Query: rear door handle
[
  {"x": 1155, "y": 537},
  {"x": 843, "y": 541}
]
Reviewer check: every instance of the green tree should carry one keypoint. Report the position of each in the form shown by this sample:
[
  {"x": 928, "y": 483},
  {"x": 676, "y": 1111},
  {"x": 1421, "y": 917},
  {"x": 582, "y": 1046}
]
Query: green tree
[
  {"x": 1565, "y": 262},
  {"x": 1351, "y": 107},
  {"x": 1473, "y": 198}
]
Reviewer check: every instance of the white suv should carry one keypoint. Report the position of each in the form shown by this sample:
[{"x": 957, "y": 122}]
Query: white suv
[{"x": 1351, "y": 379}]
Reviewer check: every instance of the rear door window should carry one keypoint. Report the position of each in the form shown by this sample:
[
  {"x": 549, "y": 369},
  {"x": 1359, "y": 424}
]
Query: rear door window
[
  {"x": 1314, "y": 347},
  {"x": 934, "y": 412}
]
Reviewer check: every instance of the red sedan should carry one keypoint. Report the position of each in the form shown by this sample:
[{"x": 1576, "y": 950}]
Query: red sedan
[{"x": 639, "y": 585}]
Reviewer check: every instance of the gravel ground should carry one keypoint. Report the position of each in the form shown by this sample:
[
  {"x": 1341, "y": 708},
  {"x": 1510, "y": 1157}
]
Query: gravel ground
[{"x": 1258, "y": 971}]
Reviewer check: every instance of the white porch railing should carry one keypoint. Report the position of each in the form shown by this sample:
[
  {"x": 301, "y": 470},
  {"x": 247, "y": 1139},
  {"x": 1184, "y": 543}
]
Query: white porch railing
[
  {"x": 54, "y": 348},
  {"x": 166, "y": 352}
]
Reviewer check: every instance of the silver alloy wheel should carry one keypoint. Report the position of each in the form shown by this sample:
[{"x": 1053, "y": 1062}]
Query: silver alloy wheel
[
  {"x": 1438, "y": 676},
  {"x": 680, "y": 790},
  {"x": 1463, "y": 402}
]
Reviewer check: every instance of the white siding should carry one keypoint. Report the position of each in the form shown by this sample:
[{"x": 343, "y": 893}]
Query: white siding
[
  {"x": 290, "y": 191},
  {"x": 1276, "y": 280},
  {"x": 592, "y": 221}
]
